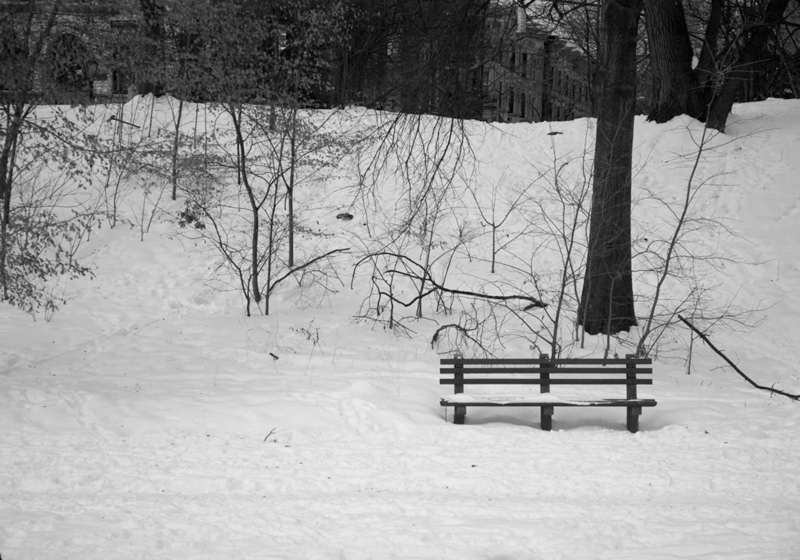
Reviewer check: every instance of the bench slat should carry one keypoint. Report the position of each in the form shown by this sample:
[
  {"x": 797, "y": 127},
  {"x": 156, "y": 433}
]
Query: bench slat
[
  {"x": 521, "y": 370},
  {"x": 531, "y": 381},
  {"x": 536, "y": 361},
  {"x": 572, "y": 402}
]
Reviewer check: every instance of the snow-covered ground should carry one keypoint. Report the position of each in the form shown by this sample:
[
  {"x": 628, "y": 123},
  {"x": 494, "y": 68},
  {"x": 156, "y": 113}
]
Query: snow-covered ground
[{"x": 149, "y": 418}]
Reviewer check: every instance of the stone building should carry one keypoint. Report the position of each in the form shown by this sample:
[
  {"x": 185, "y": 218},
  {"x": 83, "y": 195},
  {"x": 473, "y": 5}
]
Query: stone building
[
  {"x": 531, "y": 75},
  {"x": 80, "y": 51}
]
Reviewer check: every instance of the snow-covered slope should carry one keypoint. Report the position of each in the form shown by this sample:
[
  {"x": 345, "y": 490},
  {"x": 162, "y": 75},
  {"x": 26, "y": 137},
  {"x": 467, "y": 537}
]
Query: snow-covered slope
[{"x": 151, "y": 419}]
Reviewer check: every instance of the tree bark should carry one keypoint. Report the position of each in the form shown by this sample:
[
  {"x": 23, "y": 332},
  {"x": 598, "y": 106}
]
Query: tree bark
[
  {"x": 757, "y": 32},
  {"x": 706, "y": 67},
  {"x": 234, "y": 110},
  {"x": 175, "y": 147},
  {"x": 675, "y": 87},
  {"x": 12, "y": 132},
  {"x": 290, "y": 184},
  {"x": 607, "y": 298}
]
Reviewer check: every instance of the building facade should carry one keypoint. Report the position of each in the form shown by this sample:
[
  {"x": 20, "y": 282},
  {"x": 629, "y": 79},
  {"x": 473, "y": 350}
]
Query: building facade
[
  {"x": 82, "y": 53},
  {"x": 531, "y": 75}
]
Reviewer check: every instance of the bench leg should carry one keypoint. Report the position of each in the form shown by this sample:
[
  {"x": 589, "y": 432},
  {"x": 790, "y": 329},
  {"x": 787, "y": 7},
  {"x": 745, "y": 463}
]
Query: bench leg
[
  {"x": 547, "y": 418},
  {"x": 459, "y": 413},
  {"x": 633, "y": 418}
]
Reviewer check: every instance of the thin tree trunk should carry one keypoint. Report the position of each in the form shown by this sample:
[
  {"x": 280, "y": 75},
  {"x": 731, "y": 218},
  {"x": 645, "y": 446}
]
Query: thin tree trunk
[
  {"x": 607, "y": 297},
  {"x": 175, "y": 152},
  {"x": 290, "y": 189},
  {"x": 12, "y": 160},
  {"x": 3, "y": 257},
  {"x": 427, "y": 265},
  {"x": 239, "y": 164},
  {"x": 271, "y": 249},
  {"x": 254, "y": 206},
  {"x": 7, "y": 176},
  {"x": 16, "y": 115}
]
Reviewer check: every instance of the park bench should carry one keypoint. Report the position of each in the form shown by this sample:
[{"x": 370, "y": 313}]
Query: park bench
[{"x": 545, "y": 372}]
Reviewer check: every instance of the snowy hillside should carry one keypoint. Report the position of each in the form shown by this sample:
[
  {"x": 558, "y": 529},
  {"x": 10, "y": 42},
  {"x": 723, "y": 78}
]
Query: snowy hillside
[{"x": 149, "y": 418}]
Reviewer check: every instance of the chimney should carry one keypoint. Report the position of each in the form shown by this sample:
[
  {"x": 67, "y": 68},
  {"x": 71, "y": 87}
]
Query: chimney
[{"x": 522, "y": 19}]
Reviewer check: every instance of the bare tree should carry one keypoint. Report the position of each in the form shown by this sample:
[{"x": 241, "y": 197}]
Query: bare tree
[
  {"x": 259, "y": 92},
  {"x": 39, "y": 231}
]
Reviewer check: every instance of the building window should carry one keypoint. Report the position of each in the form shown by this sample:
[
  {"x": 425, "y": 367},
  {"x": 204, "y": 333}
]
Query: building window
[
  {"x": 510, "y": 100},
  {"x": 69, "y": 61},
  {"x": 120, "y": 82},
  {"x": 524, "y": 70},
  {"x": 500, "y": 98},
  {"x": 522, "y": 107}
]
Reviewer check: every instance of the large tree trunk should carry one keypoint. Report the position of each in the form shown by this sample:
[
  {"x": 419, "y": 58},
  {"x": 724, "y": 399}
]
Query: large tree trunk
[
  {"x": 706, "y": 67},
  {"x": 675, "y": 86},
  {"x": 756, "y": 35},
  {"x": 607, "y": 298}
]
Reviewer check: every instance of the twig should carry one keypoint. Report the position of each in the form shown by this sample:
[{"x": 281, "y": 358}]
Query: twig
[
  {"x": 463, "y": 330},
  {"x": 691, "y": 190},
  {"x": 740, "y": 372},
  {"x": 304, "y": 266}
]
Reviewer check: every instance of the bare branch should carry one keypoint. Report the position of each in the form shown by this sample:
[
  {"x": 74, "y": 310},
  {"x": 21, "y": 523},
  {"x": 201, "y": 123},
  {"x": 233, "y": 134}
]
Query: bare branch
[
  {"x": 730, "y": 363},
  {"x": 290, "y": 272}
]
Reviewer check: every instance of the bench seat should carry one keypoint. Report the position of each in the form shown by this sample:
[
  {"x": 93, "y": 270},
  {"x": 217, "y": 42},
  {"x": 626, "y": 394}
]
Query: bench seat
[{"x": 537, "y": 400}]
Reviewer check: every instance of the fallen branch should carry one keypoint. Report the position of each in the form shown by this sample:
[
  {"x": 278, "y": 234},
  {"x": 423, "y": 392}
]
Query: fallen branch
[
  {"x": 424, "y": 277},
  {"x": 740, "y": 372},
  {"x": 438, "y": 287}
]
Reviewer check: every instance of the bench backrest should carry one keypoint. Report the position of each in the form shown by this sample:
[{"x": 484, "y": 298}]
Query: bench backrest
[{"x": 545, "y": 371}]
